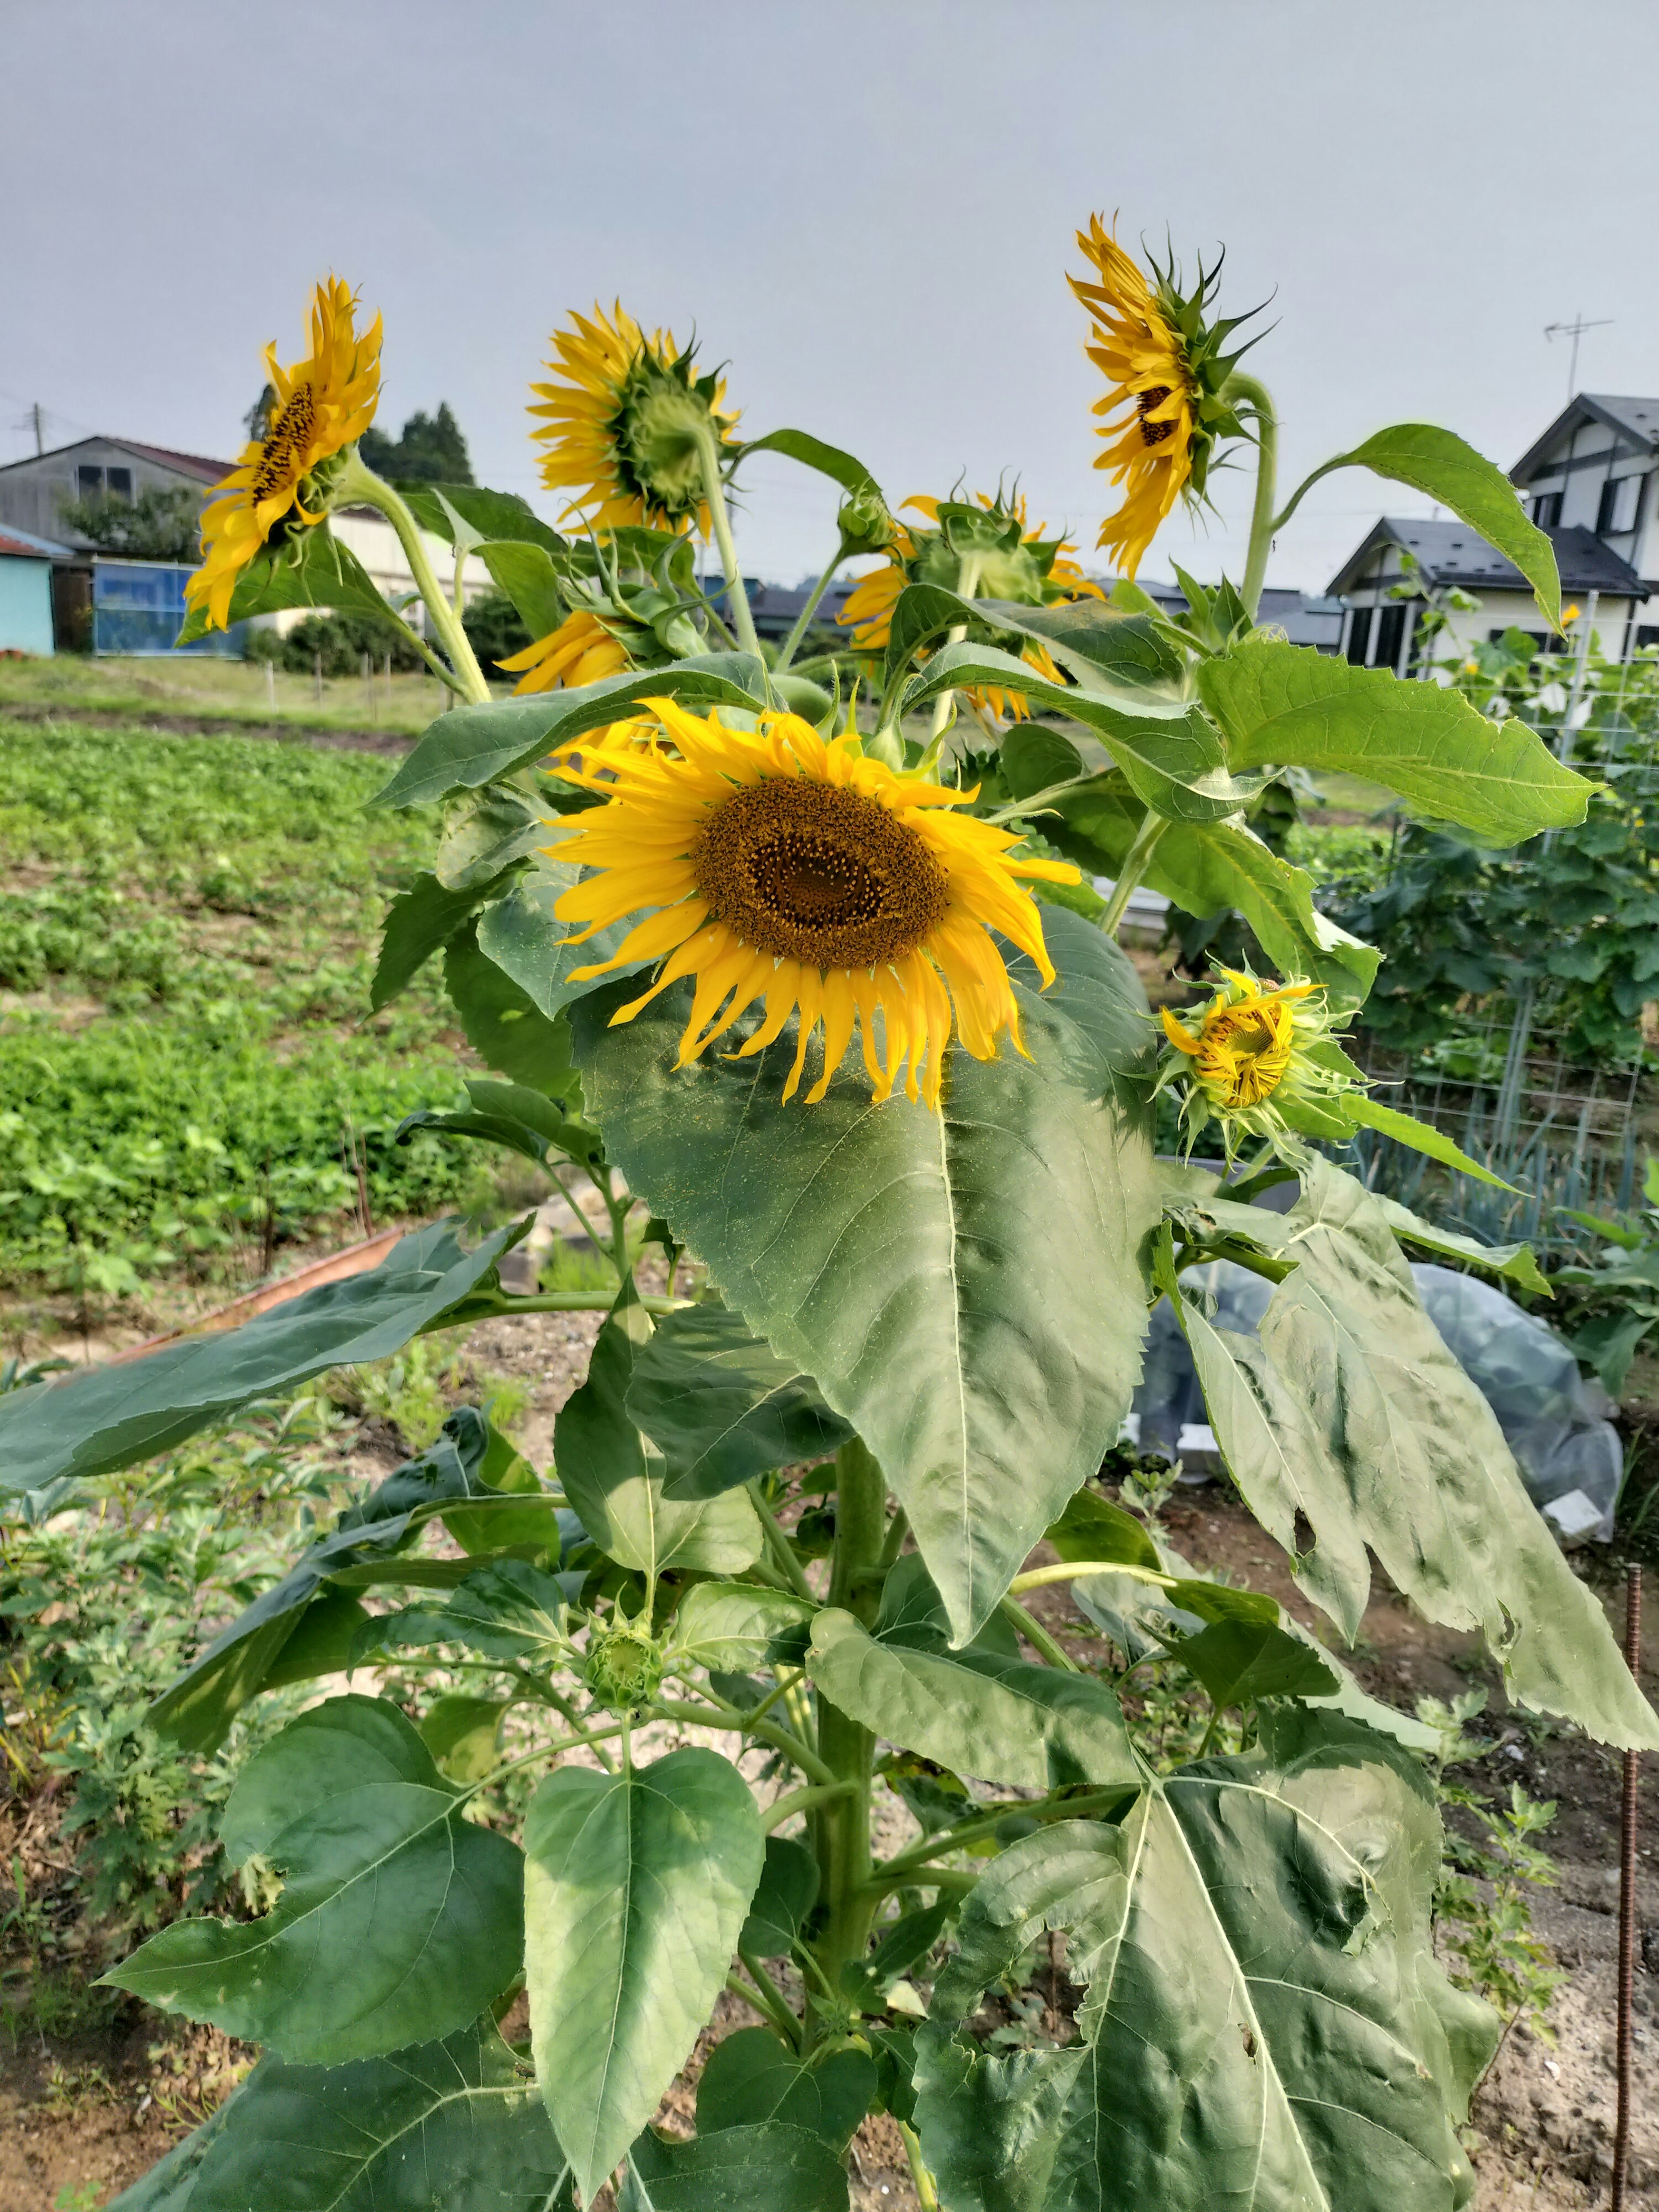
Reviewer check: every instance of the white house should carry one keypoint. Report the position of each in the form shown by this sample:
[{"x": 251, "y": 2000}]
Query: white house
[{"x": 1591, "y": 482}]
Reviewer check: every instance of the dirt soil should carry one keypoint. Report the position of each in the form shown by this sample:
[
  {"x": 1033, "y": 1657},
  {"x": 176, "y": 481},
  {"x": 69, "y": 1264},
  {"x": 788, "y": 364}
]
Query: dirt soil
[{"x": 83, "y": 2117}]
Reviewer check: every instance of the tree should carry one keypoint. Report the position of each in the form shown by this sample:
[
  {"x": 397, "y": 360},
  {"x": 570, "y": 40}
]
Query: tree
[
  {"x": 159, "y": 524},
  {"x": 431, "y": 450}
]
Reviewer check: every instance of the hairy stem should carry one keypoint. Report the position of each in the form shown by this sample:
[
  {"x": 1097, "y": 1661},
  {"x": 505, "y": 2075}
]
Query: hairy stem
[
  {"x": 1135, "y": 864},
  {"x": 1255, "y": 397},
  {"x": 1036, "y": 1634},
  {"x": 357, "y": 480},
  {"x": 714, "y": 487},
  {"x": 791, "y": 643}
]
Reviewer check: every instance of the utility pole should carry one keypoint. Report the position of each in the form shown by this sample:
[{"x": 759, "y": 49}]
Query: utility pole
[
  {"x": 37, "y": 417},
  {"x": 1574, "y": 330}
]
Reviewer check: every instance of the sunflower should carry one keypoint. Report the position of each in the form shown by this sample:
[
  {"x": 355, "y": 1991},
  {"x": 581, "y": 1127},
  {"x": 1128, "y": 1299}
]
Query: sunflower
[
  {"x": 1260, "y": 1060},
  {"x": 1164, "y": 363},
  {"x": 1008, "y": 561},
  {"x": 581, "y": 651},
  {"x": 321, "y": 405},
  {"x": 775, "y": 865},
  {"x": 624, "y": 423}
]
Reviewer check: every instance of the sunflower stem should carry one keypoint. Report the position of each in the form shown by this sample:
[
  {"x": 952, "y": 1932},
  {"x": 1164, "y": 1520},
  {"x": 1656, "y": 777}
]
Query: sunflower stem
[
  {"x": 358, "y": 482},
  {"x": 714, "y": 491},
  {"x": 1256, "y": 396},
  {"x": 1135, "y": 862},
  {"x": 791, "y": 643}
]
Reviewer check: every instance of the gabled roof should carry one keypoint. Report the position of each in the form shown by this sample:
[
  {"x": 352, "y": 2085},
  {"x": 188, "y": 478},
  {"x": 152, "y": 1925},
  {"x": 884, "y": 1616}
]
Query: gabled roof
[
  {"x": 199, "y": 466},
  {"x": 1632, "y": 418},
  {"x": 25, "y": 544},
  {"x": 1452, "y": 553}
]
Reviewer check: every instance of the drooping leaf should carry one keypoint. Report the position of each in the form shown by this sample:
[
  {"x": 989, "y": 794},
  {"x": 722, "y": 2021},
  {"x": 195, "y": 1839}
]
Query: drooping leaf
[
  {"x": 1206, "y": 866},
  {"x": 787, "y": 1892},
  {"x": 1102, "y": 647},
  {"x": 527, "y": 1122},
  {"x": 94, "y": 1423},
  {"x": 503, "y": 1023},
  {"x": 1288, "y": 706},
  {"x": 1265, "y": 2023},
  {"x": 471, "y": 515},
  {"x": 472, "y": 745},
  {"x": 1091, "y": 1527},
  {"x": 419, "y": 922},
  {"x": 510, "y": 1611},
  {"x": 1512, "y": 1263},
  {"x": 1438, "y": 463},
  {"x": 721, "y": 1406},
  {"x": 829, "y": 460},
  {"x": 1368, "y": 1112},
  {"x": 525, "y": 937},
  {"x": 1006, "y": 1720},
  {"x": 1380, "y": 1438},
  {"x": 1239, "y": 1662},
  {"x": 733, "y": 1626},
  {"x": 464, "y": 1733},
  {"x": 527, "y": 575},
  {"x": 169, "y": 2186},
  {"x": 312, "y": 569},
  {"x": 637, "y": 1884},
  {"x": 499, "y": 827},
  {"x": 613, "y": 1475},
  {"x": 453, "y": 2126},
  {"x": 773, "y": 2167},
  {"x": 398, "y": 1920},
  {"x": 955, "y": 1283},
  {"x": 751, "y": 2077}
]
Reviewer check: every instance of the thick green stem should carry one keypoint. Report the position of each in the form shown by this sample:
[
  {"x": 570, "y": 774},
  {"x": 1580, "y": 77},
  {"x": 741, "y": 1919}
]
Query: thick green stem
[
  {"x": 713, "y": 488},
  {"x": 791, "y": 643},
  {"x": 1255, "y": 397},
  {"x": 802, "y": 1801},
  {"x": 1135, "y": 864},
  {"x": 1036, "y": 1634},
  {"x": 358, "y": 482},
  {"x": 921, "y": 2180},
  {"x": 843, "y": 1828}
]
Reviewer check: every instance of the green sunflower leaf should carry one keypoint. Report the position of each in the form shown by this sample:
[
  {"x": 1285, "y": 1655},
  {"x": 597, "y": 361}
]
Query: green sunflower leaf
[
  {"x": 1287, "y": 706},
  {"x": 471, "y": 516},
  {"x": 955, "y": 1283},
  {"x": 503, "y": 1023},
  {"x": 399, "y": 1921},
  {"x": 751, "y": 2078},
  {"x": 472, "y": 745},
  {"x": 771, "y": 2167},
  {"x": 722, "y": 1407},
  {"x": 637, "y": 1885},
  {"x": 312, "y": 569}
]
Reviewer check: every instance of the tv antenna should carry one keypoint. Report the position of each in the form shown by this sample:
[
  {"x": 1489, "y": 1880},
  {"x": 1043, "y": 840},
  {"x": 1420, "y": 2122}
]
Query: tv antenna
[{"x": 1574, "y": 330}]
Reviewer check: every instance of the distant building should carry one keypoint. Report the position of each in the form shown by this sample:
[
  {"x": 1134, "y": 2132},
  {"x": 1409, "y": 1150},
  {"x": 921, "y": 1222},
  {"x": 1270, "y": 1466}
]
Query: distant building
[
  {"x": 1591, "y": 483},
  {"x": 26, "y": 566},
  {"x": 34, "y": 492}
]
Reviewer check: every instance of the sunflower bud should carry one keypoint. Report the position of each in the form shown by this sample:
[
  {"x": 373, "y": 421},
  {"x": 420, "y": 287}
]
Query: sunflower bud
[
  {"x": 624, "y": 1666},
  {"x": 865, "y": 522},
  {"x": 1261, "y": 1060}
]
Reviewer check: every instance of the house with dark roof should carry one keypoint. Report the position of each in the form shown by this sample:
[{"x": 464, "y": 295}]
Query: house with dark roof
[
  {"x": 34, "y": 492},
  {"x": 1591, "y": 483}
]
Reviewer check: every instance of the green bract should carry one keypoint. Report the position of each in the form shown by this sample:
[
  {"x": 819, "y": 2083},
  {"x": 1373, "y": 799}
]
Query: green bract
[{"x": 871, "y": 1357}]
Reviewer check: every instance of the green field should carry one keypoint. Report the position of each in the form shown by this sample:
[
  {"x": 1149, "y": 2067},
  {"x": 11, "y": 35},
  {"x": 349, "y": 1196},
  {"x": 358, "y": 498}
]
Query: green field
[{"x": 187, "y": 925}]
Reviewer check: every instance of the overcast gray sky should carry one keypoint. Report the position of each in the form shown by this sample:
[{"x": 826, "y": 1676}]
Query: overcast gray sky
[{"x": 864, "y": 206}]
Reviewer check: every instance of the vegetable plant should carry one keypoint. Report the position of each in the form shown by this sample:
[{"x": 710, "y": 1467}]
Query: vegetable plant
[{"x": 825, "y": 988}]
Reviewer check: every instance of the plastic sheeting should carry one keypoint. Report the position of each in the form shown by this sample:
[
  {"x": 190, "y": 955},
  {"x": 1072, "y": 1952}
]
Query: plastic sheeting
[{"x": 1554, "y": 1422}]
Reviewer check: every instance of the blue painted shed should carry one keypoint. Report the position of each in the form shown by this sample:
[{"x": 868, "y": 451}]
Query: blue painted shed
[{"x": 25, "y": 591}]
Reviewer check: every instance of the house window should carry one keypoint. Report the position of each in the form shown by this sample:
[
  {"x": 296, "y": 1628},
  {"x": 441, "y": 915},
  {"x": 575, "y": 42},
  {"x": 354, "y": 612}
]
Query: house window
[
  {"x": 1647, "y": 634},
  {"x": 88, "y": 481},
  {"x": 1617, "y": 511},
  {"x": 118, "y": 483},
  {"x": 92, "y": 482},
  {"x": 1390, "y": 635},
  {"x": 1359, "y": 635},
  {"x": 1546, "y": 509}
]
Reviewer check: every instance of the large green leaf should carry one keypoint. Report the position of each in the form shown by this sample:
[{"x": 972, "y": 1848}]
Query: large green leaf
[
  {"x": 511, "y": 1611},
  {"x": 1438, "y": 463},
  {"x": 483, "y": 836},
  {"x": 1173, "y": 763},
  {"x": 1102, "y": 648},
  {"x": 1204, "y": 867},
  {"x": 1512, "y": 1263},
  {"x": 472, "y": 745},
  {"x": 788, "y": 1890},
  {"x": 635, "y": 1890},
  {"x": 772, "y": 2167},
  {"x": 419, "y": 922},
  {"x": 1265, "y": 2024},
  {"x": 527, "y": 574},
  {"x": 471, "y": 516},
  {"x": 170, "y": 2184},
  {"x": 1288, "y": 706},
  {"x": 721, "y": 1406},
  {"x": 751, "y": 2077},
  {"x": 525, "y": 937},
  {"x": 1006, "y": 1720},
  {"x": 399, "y": 1921},
  {"x": 957, "y": 1284},
  {"x": 453, "y": 2126},
  {"x": 503, "y": 1023},
  {"x": 733, "y": 1626},
  {"x": 613, "y": 1475},
  {"x": 312, "y": 569},
  {"x": 546, "y": 1130},
  {"x": 1352, "y": 1414},
  {"x": 94, "y": 1422},
  {"x": 830, "y": 461},
  {"x": 254, "y": 1652}
]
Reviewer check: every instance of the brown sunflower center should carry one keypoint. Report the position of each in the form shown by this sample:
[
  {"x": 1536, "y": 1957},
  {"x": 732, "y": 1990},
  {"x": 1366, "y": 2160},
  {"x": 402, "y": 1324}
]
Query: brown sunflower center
[
  {"x": 1153, "y": 434},
  {"x": 285, "y": 444},
  {"x": 813, "y": 874}
]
